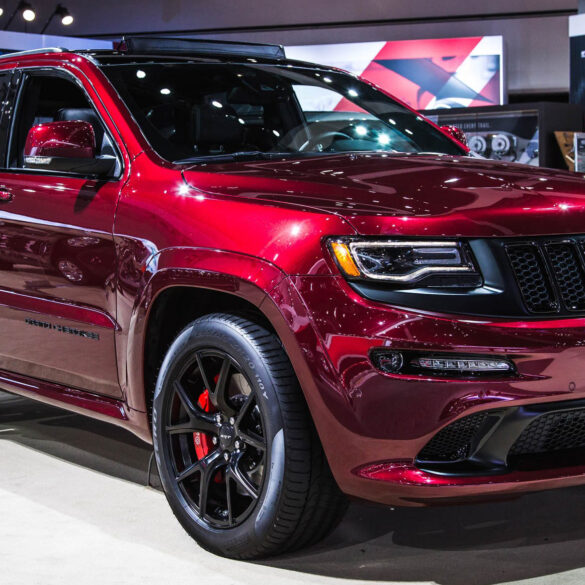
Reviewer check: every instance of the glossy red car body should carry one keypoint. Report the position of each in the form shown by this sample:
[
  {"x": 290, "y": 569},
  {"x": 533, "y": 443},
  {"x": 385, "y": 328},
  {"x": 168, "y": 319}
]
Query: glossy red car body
[{"x": 255, "y": 230}]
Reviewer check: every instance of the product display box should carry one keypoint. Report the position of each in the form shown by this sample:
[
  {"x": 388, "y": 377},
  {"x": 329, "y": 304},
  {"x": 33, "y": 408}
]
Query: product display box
[{"x": 521, "y": 133}]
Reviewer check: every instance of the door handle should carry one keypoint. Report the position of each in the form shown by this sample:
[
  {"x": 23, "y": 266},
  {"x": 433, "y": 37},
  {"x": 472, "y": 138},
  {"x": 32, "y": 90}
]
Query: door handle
[{"x": 6, "y": 196}]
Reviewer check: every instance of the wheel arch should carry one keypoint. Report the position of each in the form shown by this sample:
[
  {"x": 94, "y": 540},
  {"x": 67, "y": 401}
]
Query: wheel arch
[
  {"x": 184, "y": 284},
  {"x": 172, "y": 310},
  {"x": 251, "y": 285}
]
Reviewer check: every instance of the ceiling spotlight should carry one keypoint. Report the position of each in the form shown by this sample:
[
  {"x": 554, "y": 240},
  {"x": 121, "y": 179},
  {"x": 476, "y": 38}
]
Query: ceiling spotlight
[
  {"x": 1, "y": 11},
  {"x": 66, "y": 17},
  {"x": 64, "y": 14},
  {"x": 26, "y": 11}
]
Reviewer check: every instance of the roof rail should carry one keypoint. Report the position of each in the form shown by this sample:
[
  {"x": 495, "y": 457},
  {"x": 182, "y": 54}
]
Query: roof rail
[
  {"x": 33, "y": 52},
  {"x": 182, "y": 46}
]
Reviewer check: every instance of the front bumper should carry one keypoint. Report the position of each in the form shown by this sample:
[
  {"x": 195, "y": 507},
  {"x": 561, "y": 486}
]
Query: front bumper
[
  {"x": 373, "y": 425},
  {"x": 401, "y": 483}
]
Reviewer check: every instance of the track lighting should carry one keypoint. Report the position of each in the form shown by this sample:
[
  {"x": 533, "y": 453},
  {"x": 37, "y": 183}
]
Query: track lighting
[
  {"x": 62, "y": 12},
  {"x": 66, "y": 17},
  {"x": 29, "y": 14},
  {"x": 26, "y": 11}
]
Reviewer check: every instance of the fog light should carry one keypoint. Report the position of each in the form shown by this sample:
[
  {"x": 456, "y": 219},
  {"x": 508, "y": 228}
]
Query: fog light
[
  {"x": 416, "y": 363},
  {"x": 461, "y": 364}
]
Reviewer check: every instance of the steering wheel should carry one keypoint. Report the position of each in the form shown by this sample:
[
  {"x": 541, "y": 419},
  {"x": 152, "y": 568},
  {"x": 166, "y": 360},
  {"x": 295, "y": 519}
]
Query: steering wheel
[{"x": 333, "y": 135}]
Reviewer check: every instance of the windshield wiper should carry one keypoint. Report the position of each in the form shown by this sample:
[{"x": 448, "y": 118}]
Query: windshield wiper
[{"x": 235, "y": 156}]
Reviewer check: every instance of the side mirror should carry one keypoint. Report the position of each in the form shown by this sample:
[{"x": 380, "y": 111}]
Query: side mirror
[
  {"x": 456, "y": 133},
  {"x": 67, "y": 146}
]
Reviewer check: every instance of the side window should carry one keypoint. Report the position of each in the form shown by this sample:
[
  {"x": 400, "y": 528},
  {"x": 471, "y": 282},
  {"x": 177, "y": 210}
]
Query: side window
[
  {"x": 49, "y": 98},
  {"x": 5, "y": 113},
  {"x": 4, "y": 82}
]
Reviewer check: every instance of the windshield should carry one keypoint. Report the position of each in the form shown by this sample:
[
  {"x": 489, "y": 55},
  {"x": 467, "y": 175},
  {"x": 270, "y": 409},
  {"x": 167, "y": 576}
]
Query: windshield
[{"x": 190, "y": 111}]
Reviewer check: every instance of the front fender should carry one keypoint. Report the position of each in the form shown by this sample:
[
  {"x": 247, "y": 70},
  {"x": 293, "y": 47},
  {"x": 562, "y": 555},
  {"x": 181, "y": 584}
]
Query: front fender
[
  {"x": 241, "y": 275},
  {"x": 275, "y": 295}
]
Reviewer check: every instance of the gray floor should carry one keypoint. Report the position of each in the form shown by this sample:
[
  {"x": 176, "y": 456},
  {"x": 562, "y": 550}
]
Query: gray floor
[{"x": 74, "y": 508}]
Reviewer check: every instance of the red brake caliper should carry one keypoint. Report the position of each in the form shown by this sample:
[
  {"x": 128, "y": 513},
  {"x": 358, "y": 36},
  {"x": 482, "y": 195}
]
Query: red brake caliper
[{"x": 201, "y": 441}]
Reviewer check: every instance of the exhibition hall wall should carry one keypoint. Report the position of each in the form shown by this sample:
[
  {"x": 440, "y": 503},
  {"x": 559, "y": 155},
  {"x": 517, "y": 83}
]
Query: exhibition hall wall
[{"x": 537, "y": 57}]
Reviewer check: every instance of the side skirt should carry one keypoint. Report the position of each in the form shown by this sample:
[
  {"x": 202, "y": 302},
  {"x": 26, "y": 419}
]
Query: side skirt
[{"x": 86, "y": 403}]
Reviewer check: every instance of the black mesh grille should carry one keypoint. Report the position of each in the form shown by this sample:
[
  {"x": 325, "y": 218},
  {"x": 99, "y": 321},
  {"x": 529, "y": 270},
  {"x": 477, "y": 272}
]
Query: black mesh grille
[
  {"x": 550, "y": 274},
  {"x": 532, "y": 278},
  {"x": 454, "y": 441},
  {"x": 568, "y": 272},
  {"x": 557, "y": 431}
]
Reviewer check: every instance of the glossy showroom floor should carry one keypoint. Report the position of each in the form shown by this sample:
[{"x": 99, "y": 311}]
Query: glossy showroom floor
[{"x": 74, "y": 508}]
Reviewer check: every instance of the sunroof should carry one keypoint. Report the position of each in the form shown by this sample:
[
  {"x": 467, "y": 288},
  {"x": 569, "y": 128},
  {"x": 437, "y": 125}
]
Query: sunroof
[{"x": 180, "y": 46}]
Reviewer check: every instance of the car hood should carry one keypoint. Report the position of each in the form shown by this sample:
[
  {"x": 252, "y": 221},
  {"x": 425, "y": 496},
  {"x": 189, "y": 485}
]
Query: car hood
[{"x": 431, "y": 195}]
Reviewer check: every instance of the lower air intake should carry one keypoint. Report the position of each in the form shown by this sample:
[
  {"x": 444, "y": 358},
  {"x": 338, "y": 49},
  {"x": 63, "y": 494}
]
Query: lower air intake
[
  {"x": 453, "y": 443},
  {"x": 556, "y": 431}
]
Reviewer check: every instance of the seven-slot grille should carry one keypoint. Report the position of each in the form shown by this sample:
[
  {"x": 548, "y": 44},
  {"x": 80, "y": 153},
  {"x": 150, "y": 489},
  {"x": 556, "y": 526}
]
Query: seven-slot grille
[{"x": 550, "y": 274}]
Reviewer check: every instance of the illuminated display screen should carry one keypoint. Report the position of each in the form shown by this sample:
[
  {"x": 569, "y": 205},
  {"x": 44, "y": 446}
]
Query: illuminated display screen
[{"x": 426, "y": 74}]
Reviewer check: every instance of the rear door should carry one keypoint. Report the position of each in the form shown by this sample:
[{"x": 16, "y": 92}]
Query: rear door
[{"x": 57, "y": 255}]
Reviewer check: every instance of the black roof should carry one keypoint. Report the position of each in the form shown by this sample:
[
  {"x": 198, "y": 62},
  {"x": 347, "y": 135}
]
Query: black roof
[
  {"x": 162, "y": 49},
  {"x": 114, "y": 57},
  {"x": 180, "y": 46}
]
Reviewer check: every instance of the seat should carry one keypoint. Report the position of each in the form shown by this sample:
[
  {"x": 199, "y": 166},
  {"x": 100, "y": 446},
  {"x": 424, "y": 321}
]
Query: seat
[
  {"x": 86, "y": 115},
  {"x": 217, "y": 130}
]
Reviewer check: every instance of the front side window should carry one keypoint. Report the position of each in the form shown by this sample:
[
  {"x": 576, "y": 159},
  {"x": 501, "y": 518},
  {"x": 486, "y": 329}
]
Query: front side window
[
  {"x": 52, "y": 98},
  {"x": 193, "y": 111},
  {"x": 4, "y": 83},
  {"x": 5, "y": 112}
]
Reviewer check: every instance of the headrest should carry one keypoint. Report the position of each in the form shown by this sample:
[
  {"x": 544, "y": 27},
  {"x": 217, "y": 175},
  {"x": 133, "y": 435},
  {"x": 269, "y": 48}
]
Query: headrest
[
  {"x": 249, "y": 96},
  {"x": 86, "y": 115},
  {"x": 216, "y": 129}
]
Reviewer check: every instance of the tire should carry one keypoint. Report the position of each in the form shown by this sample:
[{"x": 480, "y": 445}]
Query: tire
[{"x": 249, "y": 443}]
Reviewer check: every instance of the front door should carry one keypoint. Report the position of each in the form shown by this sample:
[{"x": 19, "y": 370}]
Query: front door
[{"x": 57, "y": 255}]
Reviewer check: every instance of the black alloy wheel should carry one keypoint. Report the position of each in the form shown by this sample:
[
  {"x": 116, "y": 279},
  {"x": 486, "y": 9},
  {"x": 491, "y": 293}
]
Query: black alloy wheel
[
  {"x": 222, "y": 479},
  {"x": 238, "y": 456}
]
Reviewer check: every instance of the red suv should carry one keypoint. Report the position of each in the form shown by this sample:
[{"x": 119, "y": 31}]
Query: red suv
[{"x": 292, "y": 284}]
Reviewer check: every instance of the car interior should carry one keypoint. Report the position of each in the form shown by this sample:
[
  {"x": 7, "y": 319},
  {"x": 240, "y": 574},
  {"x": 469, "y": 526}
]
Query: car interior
[{"x": 50, "y": 98}]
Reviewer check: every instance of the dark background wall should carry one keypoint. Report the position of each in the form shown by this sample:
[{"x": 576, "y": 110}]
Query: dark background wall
[{"x": 535, "y": 31}]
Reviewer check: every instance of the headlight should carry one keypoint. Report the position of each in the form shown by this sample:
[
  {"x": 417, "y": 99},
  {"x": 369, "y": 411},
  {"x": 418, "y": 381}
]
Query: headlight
[{"x": 406, "y": 262}]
